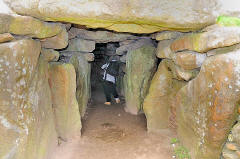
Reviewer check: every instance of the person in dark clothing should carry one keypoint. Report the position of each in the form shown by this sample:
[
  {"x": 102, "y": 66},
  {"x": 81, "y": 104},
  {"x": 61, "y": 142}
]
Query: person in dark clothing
[{"x": 109, "y": 83}]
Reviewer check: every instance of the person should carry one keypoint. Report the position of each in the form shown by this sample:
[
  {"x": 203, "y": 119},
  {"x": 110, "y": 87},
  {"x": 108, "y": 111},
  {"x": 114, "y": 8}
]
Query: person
[{"x": 109, "y": 81}]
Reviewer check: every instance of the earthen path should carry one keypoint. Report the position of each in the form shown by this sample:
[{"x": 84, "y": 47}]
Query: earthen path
[{"x": 110, "y": 133}]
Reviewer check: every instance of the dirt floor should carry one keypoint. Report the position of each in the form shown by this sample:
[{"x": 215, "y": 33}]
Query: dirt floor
[{"x": 110, "y": 133}]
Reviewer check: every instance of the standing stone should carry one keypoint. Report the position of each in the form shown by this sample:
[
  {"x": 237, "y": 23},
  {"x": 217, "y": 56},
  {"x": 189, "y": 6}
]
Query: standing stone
[
  {"x": 81, "y": 45},
  {"x": 27, "y": 128},
  {"x": 62, "y": 81},
  {"x": 59, "y": 41},
  {"x": 83, "y": 72},
  {"x": 207, "y": 106},
  {"x": 162, "y": 91},
  {"x": 140, "y": 67}
]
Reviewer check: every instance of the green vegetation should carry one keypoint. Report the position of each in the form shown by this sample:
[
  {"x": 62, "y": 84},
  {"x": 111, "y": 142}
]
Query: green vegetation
[
  {"x": 180, "y": 151},
  {"x": 228, "y": 21},
  {"x": 174, "y": 141}
]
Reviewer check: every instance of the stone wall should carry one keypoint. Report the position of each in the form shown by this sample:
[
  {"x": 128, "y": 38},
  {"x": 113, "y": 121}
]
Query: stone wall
[
  {"x": 204, "y": 102},
  {"x": 196, "y": 89},
  {"x": 29, "y": 126}
]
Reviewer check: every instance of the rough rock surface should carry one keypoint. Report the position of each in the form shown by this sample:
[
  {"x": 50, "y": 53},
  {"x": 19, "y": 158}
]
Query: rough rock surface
[
  {"x": 189, "y": 60},
  {"x": 83, "y": 72},
  {"x": 6, "y": 37},
  {"x": 166, "y": 35},
  {"x": 158, "y": 102},
  {"x": 132, "y": 45},
  {"x": 140, "y": 67},
  {"x": 59, "y": 41},
  {"x": 208, "y": 105},
  {"x": 62, "y": 82},
  {"x": 231, "y": 149},
  {"x": 50, "y": 55},
  {"x": 29, "y": 26},
  {"x": 27, "y": 128},
  {"x": 164, "y": 50},
  {"x": 145, "y": 16},
  {"x": 99, "y": 36},
  {"x": 212, "y": 37},
  {"x": 183, "y": 74},
  {"x": 81, "y": 45}
]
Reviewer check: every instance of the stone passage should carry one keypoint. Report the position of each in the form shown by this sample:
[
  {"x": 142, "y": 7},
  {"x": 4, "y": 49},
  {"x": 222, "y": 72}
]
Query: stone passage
[{"x": 179, "y": 66}]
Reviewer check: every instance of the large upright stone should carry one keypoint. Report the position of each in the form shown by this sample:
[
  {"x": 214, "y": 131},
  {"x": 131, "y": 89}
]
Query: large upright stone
[
  {"x": 158, "y": 102},
  {"x": 207, "y": 106},
  {"x": 25, "y": 25},
  {"x": 83, "y": 71},
  {"x": 27, "y": 128},
  {"x": 137, "y": 16},
  {"x": 62, "y": 81},
  {"x": 140, "y": 67}
]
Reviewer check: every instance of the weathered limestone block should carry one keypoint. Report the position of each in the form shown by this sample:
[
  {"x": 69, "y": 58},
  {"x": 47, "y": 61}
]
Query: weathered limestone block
[
  {"x": 99, "y": 36},
  {"x": 59, "y": 41},
  {"x": 24, "y": 25},
  {"x": 166, "y": 35},
  {"x": 180, "y": 73},
  {"x": 83, "y": 70},
  {"x": 140, "y": 67},
  {"x": 142, "y": 16},
  {"x": 213, "y": 37},
  {"x": 62, "y": 82},
  {"x": 223, "y": 50},
  {"x": 50, "y": 55},
  {"x": 207, "y": 107},
  {"x": 27, "y": 127},
  {"x": 132, "y": 45},
  {"x": 6, "y": 37},
  {"x": 164, "y": 50},
  {"x": 189, "y": 60},
  {"x": 183, "y": 74},
  {"x": 162, "y": 91},
  {"x": 81, "y": 45},
  {"x": 89, "y": 57},
  {"x": 126, "y": 42}
]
